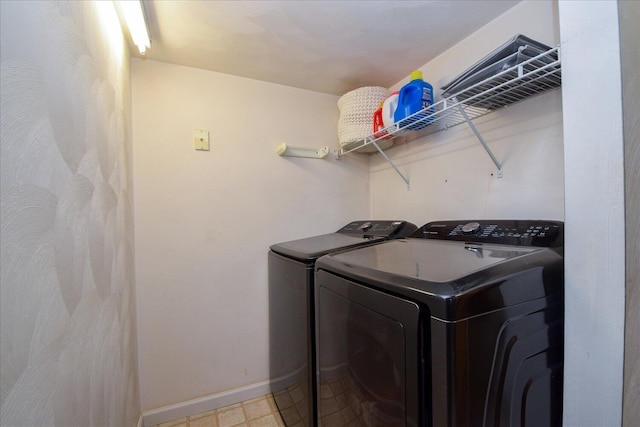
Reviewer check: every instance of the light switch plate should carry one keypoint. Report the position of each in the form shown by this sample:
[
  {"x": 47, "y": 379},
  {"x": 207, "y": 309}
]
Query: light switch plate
[{"x": 201, "y": 139}]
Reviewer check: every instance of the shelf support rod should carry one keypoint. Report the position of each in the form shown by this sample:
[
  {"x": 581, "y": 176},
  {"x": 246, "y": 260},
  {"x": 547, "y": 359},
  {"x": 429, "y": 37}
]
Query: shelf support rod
[
  {"x": 405, "y": 179},
  {"x": 482, "y": 141}
]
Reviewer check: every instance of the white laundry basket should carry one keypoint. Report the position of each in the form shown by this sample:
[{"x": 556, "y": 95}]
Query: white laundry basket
[{"x": 356, "y": 116}]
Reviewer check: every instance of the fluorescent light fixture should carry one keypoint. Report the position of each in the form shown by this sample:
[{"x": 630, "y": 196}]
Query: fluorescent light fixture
[{"x": 134, "y": 17}]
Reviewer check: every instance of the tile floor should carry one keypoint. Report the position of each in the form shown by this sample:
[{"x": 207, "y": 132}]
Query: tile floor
[
  {"x": 258, "y": 412},
  {"x": 293, "y": 403},
  {"x": 342, "y": 404}
]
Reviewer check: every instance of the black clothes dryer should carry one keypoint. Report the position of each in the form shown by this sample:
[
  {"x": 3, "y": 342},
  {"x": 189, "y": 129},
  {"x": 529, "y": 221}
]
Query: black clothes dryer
[
  {"x": 291, "y": 311},
  {"x": 461, "y": 324}
]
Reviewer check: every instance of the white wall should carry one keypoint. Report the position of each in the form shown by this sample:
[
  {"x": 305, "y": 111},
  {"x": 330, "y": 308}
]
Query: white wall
[
  {"x": 68, "y": 349},
  {"x": 451, "y": 176},
  {"x": 594, "y": 231},
  {"x": 205, "y": 220}
]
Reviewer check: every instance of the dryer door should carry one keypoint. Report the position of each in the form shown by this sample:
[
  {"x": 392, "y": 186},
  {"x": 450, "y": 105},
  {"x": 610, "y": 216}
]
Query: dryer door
[{"x": 368, "y": 355}]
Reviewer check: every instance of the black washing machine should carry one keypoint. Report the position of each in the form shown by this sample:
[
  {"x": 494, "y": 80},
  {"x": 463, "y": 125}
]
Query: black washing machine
[
  {"x": 461, "y": 324},
  {"x": 291, "y": 311}
]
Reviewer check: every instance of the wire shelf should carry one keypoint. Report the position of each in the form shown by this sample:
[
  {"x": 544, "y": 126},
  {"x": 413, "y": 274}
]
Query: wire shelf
[{"x": 530, "y": 77}]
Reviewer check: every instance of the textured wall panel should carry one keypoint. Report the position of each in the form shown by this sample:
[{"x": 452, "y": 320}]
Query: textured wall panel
[{"x": 68, "y": 337}]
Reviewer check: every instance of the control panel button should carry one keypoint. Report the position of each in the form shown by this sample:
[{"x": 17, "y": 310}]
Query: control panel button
[
  {"x": 471, "y": 227},
  {"x": 366, "y": 226}
]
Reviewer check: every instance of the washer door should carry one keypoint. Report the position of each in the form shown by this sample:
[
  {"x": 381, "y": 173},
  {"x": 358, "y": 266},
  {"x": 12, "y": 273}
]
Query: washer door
[{"x": 368, "y": 355}]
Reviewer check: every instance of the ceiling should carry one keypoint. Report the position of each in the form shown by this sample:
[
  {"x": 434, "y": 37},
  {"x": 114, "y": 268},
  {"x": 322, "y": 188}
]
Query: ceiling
[{"x": 324, "y": 46}]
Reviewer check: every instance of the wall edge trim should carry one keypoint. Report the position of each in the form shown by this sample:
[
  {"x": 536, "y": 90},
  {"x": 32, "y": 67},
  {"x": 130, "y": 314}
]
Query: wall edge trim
[{"x": 204, "y": 404}]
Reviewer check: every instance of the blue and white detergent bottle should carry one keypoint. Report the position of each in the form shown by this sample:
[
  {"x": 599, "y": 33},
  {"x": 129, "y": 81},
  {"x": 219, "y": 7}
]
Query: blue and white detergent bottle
[{"x": 414, "y": 96}]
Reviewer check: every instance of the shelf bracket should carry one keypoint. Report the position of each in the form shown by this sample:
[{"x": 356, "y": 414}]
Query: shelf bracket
[
  {"x": 311, "y": 153},
  {"x": 405, "y": 179},
  {"x": 477, "y": 133}
]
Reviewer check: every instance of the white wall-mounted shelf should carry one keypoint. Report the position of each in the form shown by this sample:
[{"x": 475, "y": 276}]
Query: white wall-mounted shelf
[{"x": 529, "y": 77}]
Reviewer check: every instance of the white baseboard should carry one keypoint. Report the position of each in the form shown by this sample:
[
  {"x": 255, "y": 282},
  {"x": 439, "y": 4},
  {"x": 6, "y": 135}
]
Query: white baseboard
[
  {"x": 285, "y": 381},
  {"x": 204, "y": 404}
]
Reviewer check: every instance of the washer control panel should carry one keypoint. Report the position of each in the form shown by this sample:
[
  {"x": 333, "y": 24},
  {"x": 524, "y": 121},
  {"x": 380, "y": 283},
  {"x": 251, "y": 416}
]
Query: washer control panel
[
  {"x": 507, "y": 232},
  {"x": 375, "y": 228}
]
